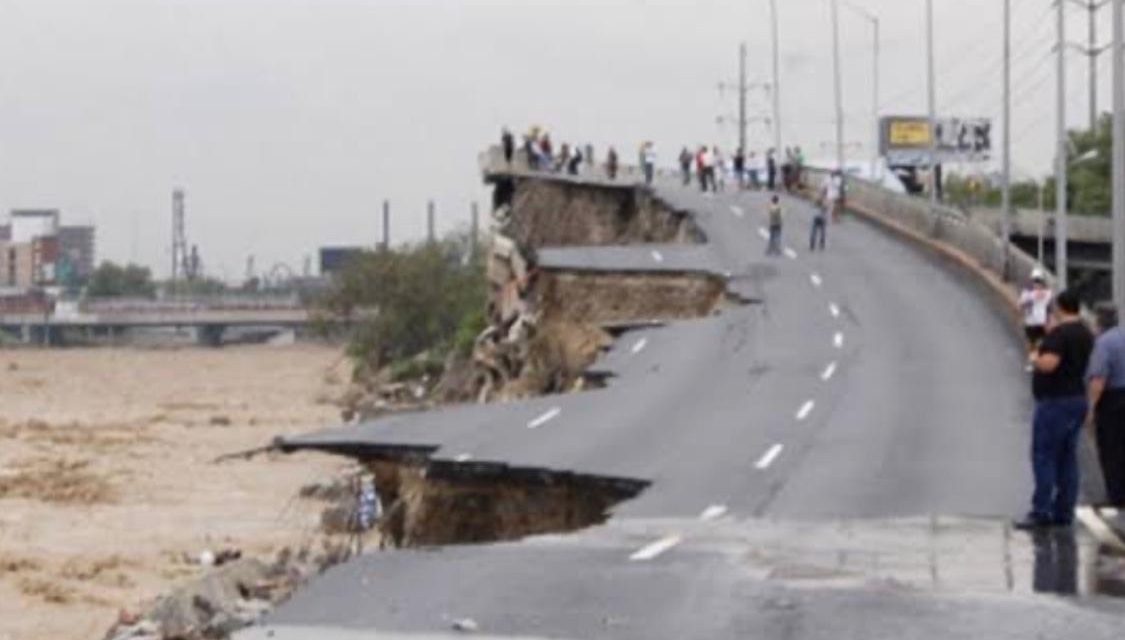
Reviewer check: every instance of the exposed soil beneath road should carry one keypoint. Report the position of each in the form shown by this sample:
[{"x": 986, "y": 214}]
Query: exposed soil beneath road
[{"x": 107, "y": 481}]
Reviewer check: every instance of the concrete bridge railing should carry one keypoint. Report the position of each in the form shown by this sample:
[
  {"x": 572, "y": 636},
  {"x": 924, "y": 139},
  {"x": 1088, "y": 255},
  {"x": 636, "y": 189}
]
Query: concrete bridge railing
[{"x": 971, "y": 243}]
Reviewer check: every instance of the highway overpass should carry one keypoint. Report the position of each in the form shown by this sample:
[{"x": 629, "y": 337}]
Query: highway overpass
[{"x": 836, "y": 456}]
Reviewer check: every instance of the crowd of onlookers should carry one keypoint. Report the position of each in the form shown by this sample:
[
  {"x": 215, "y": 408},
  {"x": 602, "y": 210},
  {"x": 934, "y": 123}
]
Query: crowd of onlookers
[{"x": 708, "y": 165}]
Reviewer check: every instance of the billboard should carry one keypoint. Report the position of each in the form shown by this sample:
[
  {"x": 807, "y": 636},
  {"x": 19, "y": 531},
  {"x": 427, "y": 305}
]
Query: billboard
[{"x": 905, "y": 140}]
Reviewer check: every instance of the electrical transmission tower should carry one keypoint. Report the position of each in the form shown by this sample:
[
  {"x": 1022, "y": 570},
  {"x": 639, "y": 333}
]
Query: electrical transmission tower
[{"x": 179, "y": 238}]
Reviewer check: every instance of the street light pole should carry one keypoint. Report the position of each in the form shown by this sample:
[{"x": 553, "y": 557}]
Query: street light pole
[
  {"x": 776, "y": 80},
  {"x": 1006, "y": 170},
  {"x": 1060, "y": 149},
  {"x": 838, "y": 85},
  {"x": 742, "y": 97},
  {"x": 1118, "y": 158},
  {"x": 931, "y": 103},
  {"x": 874, "y": 20}
]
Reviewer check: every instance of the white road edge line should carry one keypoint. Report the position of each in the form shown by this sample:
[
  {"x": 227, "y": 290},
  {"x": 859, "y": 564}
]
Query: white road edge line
[
  {"x": 657, "y": 256},
  {"x": 815, "y": 279},
  {"x": 545, "y": 418},
  {"x": 736, "y": 210},
  {"x": 651, "y": 551},
  {"x": 838, "y": 340},
  {"x": 1098, "y": 528},
  {"x": 766, "y": 460},
  {"x": 791, "y": 254},
  {"x": 640, "y": 345},
  {"x": 834, "y": 309},
  {"x": 829, "y": 371},
  {"x": 805, "y": 409},
  {"x": 713, "y": 512}
]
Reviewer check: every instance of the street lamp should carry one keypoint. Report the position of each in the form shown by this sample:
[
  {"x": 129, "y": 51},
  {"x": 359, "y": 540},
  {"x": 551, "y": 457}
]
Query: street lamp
[
  {"x": 874, "y": 20},
  {"x": 1041, "y": 184}
]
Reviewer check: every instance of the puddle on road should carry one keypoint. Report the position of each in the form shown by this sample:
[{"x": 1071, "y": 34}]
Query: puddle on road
[{"x": 941, "y": 554}]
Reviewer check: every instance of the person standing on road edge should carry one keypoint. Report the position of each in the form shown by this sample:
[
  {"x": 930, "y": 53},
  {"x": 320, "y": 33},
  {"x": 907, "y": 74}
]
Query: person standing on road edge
[
  {"x": 819, "y": 230},
  {"x": 1035, "y": 303},
  {"x": 1105, "y": 380},
  {"x": 611, "y": 163},
  {"x": 685, "y": 165},
  {"x": 1058, "y": 385},
  {"x": 740, "y": 168},
  {"x": 771, "y": 170},
  {"x": 648, "y": 160},
  {"x": 774, "y": 246},
  {"x": 508, "y": 144}
]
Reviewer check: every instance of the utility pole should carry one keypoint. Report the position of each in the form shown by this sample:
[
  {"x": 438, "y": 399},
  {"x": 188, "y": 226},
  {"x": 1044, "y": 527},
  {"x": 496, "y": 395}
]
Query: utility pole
[
  {"x": 742, "y": 97},
  {"x": 1060, "y": 148},
  {"x": 386, "y": 225},
  {"x": 874, "y": 20},
  {"x": 931, "y": 102},
  {"x": 776, "y": 79},
  {"x": 839, "y": 90},
  {"x": 179, "y": 238},
  {"x": 430, "y": 235},
  {"x": 1118, "y": 158},
  {"x": 474, "y": 229},
  {"x": 1006, "y": 167}
]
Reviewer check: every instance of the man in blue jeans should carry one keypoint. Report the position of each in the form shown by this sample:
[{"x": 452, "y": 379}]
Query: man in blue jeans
[{"x": 1058, "y": 385}]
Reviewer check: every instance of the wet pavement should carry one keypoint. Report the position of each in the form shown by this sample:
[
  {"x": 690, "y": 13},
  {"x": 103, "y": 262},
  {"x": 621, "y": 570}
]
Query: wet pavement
[{"x": 677, "y": 578}]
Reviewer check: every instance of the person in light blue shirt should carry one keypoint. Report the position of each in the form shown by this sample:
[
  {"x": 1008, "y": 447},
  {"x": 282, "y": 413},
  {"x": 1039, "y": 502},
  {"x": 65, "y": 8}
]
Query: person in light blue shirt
[{"x": 1105, "y": 383}]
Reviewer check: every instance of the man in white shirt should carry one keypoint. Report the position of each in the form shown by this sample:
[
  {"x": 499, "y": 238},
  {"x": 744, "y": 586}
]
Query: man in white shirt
[{"x": 1035, "y": 303}]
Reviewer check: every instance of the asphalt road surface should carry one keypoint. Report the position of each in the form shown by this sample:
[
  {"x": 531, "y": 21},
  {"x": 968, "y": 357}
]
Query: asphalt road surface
[{"x": 868, "y": 384}]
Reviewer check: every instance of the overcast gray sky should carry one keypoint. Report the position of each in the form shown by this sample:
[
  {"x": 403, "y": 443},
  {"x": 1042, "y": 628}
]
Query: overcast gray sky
[{"x": 289, "y": 121}]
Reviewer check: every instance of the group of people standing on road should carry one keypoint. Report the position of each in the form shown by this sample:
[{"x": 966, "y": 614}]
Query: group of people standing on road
[
  {"x": 541, "y": 153},
  {"x": 830, "y": 205},
  {"x": 1078, "y": 378}
]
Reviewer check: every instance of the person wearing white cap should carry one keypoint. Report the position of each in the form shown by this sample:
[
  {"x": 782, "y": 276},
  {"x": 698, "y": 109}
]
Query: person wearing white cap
[{"x": 1035, "y": 304}]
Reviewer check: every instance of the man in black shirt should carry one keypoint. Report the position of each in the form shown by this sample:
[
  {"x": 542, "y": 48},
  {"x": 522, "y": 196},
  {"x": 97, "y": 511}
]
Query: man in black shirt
[{"x": 1060, "y": 408}]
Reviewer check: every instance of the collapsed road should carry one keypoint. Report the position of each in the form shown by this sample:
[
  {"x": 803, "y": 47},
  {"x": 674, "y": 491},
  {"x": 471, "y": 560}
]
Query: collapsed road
[{"x": 830, "y": 448}]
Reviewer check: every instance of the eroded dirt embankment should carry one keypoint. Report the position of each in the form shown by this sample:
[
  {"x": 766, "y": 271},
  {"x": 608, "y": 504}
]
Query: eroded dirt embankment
[
  {"x": 428, "y": 503},
  {"x": 548, "y": 325},
  {"x": 562, "y": 213}
]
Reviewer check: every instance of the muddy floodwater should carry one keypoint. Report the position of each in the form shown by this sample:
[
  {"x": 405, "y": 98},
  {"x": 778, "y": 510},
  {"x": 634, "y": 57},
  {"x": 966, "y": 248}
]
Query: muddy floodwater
[{"x": 107, "y": 483}]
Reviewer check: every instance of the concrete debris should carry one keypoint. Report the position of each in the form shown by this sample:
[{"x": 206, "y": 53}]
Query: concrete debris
[{"x": 232, "y": 595}]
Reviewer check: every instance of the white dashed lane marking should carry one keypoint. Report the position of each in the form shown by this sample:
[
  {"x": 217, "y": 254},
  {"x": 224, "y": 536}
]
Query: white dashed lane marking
[
  {"x": 829, "y": 371},
  {"x": 656, "y": 255},
  {"x": 766, "y": 460},
  {"x": 545, "y": 418},
  {"x": 805, "y": 409},
  {"x": 464, "y": 457},
  {"x": 764, "y": 232},
  {"x": 713, "y": 512},
  {"x": 653, "y": 550},
  {"x": 815, "y": 280},
  {"x": 838, "y": 340},
  {"x": 640, "y": 345},
  {"x": 791, "y": 254},
  {"x": 834, "y": 310},
  {"x": 736, "y": 210}
]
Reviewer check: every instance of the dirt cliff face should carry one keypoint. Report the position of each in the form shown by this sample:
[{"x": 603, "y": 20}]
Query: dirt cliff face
[{"x": 557, "y": 213}]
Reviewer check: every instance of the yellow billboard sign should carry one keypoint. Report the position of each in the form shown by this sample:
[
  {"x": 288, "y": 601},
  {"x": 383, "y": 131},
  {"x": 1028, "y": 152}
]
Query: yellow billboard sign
[{"x": 908, "y": 133}]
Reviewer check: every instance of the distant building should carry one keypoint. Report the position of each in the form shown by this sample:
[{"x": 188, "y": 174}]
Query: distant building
[
  {"x": 36, "y": 251},
  {"x": 335, "y": 259},
  {"x": 76, "y": 249}
]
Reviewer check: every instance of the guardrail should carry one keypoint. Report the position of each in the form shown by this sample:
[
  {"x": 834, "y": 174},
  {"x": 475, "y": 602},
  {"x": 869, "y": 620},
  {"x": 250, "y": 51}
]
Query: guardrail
[{"x": 972, "y": 243}]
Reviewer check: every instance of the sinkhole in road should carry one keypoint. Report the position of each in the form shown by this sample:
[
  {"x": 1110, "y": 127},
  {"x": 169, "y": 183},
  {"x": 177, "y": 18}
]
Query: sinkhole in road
[{"x": 430, "y": 502}]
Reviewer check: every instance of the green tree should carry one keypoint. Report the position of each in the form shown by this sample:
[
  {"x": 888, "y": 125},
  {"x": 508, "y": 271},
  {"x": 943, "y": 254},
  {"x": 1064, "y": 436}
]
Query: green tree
[
  {"x": 418, "y": 298},
  {"x": 111, "y": 280},
  {"x": 1088, "y": 181}
]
